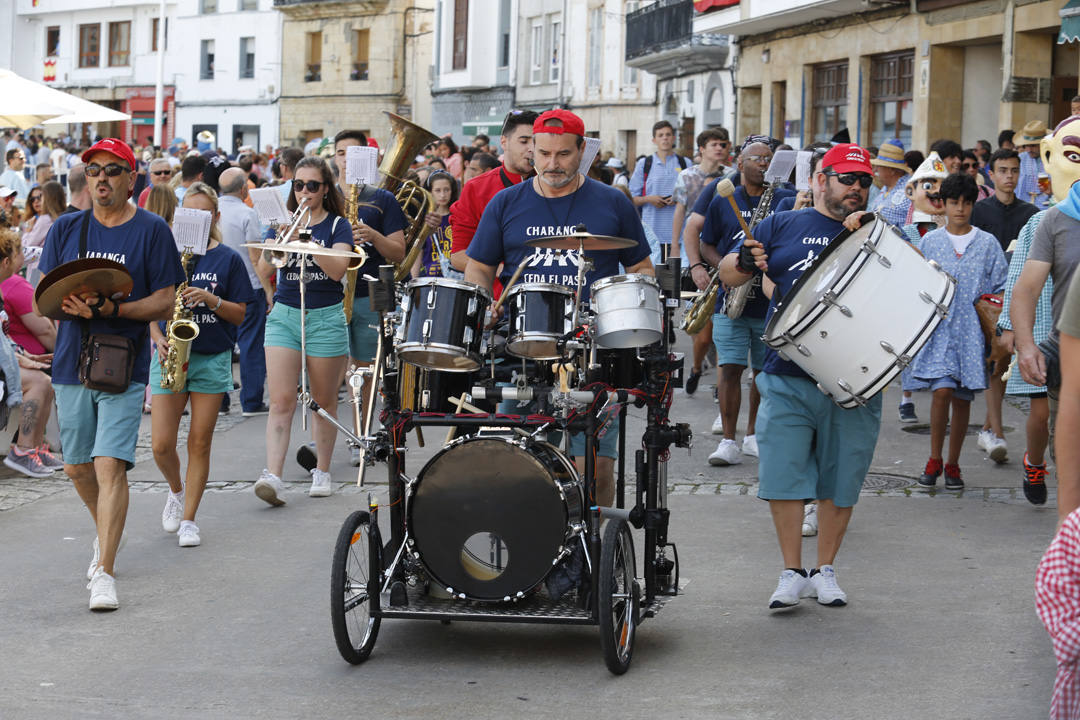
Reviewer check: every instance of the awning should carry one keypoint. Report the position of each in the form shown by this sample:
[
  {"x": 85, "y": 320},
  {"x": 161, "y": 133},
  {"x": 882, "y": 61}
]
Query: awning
[
  {"x": 1070, "y": 23},
  {"x": 25, "y": 103},
  {"x": 706, "y": 5}
]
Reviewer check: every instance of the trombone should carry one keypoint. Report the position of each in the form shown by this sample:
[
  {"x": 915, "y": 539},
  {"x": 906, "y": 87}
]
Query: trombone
[{"x": 279, "y": 258}]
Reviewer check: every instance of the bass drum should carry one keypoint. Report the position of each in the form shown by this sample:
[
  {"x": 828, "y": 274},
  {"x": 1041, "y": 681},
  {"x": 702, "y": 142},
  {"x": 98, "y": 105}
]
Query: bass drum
[{"x": 490, "y": 516}]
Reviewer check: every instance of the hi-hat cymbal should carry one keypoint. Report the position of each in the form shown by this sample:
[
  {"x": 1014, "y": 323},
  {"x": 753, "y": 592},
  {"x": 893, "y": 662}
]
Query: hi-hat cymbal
[
  {"x": 302, "y": 247},
  {"x": 582, "y": 239},
  {"x": 105, "y": 277}
]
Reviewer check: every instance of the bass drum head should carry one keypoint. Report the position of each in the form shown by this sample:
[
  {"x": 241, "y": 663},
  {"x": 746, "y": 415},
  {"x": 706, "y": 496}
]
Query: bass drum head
[{"x": 488, "y": 517}]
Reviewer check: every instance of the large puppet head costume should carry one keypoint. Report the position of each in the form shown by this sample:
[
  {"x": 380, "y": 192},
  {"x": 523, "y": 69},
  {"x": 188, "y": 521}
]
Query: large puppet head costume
[
  {"x": 922, "y": 189},
  {"x": 1060, "y": 152}
]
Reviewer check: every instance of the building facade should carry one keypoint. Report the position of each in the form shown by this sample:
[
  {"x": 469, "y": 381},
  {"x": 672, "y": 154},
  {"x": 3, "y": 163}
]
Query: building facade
[
  {"x": 226, "y": 64},
  {"x": 347, "y": 62},
  {"x": 920, "y": 71}
]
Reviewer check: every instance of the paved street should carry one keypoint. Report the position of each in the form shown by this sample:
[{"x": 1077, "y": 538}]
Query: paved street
[{"x": 940, "y": 621}]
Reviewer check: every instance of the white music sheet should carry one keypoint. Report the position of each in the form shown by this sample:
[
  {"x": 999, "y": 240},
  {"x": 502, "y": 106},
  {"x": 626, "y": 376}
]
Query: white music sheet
[
  {"x": 191, "y": 230},
  {"x": 270, "y": 206},
  {"x": 361, "y": 165},
  {"x": 588, "y": 154},
  {"x": 802, "y": 170}
]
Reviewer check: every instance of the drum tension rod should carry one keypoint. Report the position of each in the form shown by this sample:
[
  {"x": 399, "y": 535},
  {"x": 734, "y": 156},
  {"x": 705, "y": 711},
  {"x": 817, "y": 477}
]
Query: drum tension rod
[
  {"x": 941, "y": 310},
  {"x": 902, "y": 360},
  {"x": 830, "y": 298},
  {"x": 871, "y": 249},
  {"x": 798, "y": 346},
  {"x": 843, "y": 384}
]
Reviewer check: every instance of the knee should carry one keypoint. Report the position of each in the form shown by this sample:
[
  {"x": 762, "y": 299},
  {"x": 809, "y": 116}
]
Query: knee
[
  {"x": 163, "y": 447},
  {"x": 283, "y": 405},
  {"x": 731, "y": 373},
  {"x": 198, "y": 443}
]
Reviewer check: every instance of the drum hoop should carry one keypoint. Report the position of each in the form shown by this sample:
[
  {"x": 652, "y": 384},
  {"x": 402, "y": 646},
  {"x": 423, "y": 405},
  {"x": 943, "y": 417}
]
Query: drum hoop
[
  {"x": 626, "y": 278},
  {"x": 540, "y": 287},
  {"x": 451, "y": 283},
  {"x": 439, "y": 349}
]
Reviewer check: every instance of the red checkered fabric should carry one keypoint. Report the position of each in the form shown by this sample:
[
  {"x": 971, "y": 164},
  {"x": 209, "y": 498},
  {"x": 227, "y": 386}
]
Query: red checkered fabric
[{"x": 1057, "y": 601}]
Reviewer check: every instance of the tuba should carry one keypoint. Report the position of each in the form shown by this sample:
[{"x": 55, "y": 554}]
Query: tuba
[
  {"x": 407, "y": 139},
  {"x": 181, "y": 332}
]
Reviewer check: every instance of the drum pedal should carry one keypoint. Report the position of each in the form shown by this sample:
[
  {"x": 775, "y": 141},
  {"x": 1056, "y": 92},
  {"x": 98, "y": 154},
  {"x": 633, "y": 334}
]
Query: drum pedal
[{"x": 399, "y": 596}]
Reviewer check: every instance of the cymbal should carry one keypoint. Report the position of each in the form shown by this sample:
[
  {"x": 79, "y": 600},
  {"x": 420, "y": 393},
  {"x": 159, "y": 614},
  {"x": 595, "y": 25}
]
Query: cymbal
[
  {"x": 105, "y": 277},
  {"x": 582, "y": 239},
  {"x": 302, "y": 247}
]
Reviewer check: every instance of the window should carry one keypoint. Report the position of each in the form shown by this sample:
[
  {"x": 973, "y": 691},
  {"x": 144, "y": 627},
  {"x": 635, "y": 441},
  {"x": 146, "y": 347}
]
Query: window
[
  {"x": 536, "y": 50},
  {"x": 89, "y": 46},
  {"x": 830, "y": 100},
  {"x": 154, "y": 34},
  {"x": 630, "y": 74},
  {"x": 890, "y": 97},
  {"x": 504, "y": 33},
  {"x": 206, "y": 66},
  {"x": 596, "y": 45},
  {"x": 556, "y": 51},
  {"x": 119, "y": 44},
  {"x": 208, "y": 6},
  {"x": 313, "y": 57},
  {"x": 249, "y": 4},
  {"x": 247, "y": 57},
  {"x": 52, "y": 41},
  {"x": 461, "y": 31},
  {"x": 361, "y": 40}
]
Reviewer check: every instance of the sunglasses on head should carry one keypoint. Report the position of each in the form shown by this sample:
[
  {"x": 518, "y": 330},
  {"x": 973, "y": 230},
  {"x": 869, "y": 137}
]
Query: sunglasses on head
[
  {"x": 863, "y": 179},
  {"x": 111, "y": 170},
  {"x": 311, "y": 185}
]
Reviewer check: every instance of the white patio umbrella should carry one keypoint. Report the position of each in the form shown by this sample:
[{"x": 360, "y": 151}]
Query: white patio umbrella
[{"x": 25, "y": 103}]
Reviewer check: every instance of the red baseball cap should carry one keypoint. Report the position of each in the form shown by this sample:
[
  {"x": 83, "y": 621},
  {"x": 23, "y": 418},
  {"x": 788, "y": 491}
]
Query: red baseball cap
[
  {"x": 117, "y": 148},
  {"x": 571, "y": 123},
  {"x": 371, "y": 142},
  {"x": 847, "y": 158}
]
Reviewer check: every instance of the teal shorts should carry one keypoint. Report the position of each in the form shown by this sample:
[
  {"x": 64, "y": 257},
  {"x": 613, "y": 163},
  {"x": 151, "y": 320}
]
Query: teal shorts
[
  {"x": 363, "y": 337},
  {"x": 738, "y": 339},
  {"x": 808, "y": 446},
  {"x": 208, "y": 374},
  {"x": 98, "y": 424},
  {"x": 326, "y": 334}
]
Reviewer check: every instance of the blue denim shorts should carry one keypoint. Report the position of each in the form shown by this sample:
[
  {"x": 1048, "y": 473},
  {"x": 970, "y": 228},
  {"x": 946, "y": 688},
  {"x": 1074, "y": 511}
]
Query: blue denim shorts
[
  {"x": 208, "y": 374},
  {"x": 326, "y": 333},
  {"x": 959, "y": 392},
  {"x": 98, "y": 424},
  {"x": 738, "y": 339}
]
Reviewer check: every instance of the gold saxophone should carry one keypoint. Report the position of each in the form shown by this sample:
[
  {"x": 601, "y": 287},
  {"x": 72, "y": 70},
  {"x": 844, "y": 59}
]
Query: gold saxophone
[{"x": 181, "y": 332}]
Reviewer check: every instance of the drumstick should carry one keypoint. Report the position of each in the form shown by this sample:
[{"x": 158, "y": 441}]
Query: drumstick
[
  {"x": 724, "y": 188},
  {"x": 513, "y": 279}
]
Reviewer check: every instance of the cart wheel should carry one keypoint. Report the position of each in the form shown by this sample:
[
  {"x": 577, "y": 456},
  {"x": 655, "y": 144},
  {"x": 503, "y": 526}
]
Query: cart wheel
[
  {"x": 618, "y": 603},
  {"x": 357, "y": 555}
]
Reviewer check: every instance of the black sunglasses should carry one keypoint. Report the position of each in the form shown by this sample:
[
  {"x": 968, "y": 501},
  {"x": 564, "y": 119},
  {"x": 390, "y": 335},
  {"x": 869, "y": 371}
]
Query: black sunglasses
[
  {"x": 312, "y": 185},
  {"x": 111, "y": 170},
  {"x": 969, "y": 166},
  {"x": 161, "y": 172},
  {"x": 863, "y": 179}
]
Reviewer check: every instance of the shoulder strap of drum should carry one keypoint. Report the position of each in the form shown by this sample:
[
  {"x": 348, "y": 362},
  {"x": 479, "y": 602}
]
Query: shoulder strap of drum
[
  {"x": 506, "y": 181},
  {"x": 84, "y": 325}
]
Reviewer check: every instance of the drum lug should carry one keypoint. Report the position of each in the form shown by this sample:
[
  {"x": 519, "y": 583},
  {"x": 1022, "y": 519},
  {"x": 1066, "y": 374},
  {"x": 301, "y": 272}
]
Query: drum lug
[
  {"x": 824, "y": 391},
  {"x": 425, "y": 331},
  {"x": 467, "y": 335},
  {"x": 830, "y": 298},
  {"x": 431, "y": 298},
  {"x": 941, "y": 310},
  {"x": 519, "y": 323},
  {"x": 783, "y": 356},
  {"x": 871, "y": 249},
  {"x": 473, "y": 303},
  {"x": 803, "y": 350},
  {"x": 847, "y": 388},
  {"x": 902, "y": 360}
]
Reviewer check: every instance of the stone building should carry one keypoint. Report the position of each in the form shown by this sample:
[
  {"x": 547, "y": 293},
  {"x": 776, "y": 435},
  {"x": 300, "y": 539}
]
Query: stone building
[{"x": 345, "y": 62}]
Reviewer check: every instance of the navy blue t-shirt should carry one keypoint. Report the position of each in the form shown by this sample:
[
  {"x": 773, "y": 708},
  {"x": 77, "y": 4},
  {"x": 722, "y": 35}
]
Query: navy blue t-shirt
[
  {"x": 222, "y": 272},
  {"x": 321, "y": 291},
  {"x": 145, "y": 246},
  {"x": 792, "y": 240},
  {"x": 519, "y": 213},
  {"x": 723, "y": 231},
  {"x": 387, "y": 218},
  {"x": 786, "y": 204}
]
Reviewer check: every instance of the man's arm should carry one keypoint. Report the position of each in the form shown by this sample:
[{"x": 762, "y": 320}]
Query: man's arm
[
  {"x": 156, "y": 306},
  {"x": 1025, "y": 295},
  {"x": 463, "y": 222},
  {"x": 692, "y": 242},
  {"x": 645, "y": 267},
  {"x": 677, "y": 227},
  {"x": 391, "y": 247},
  {"x": 1068, "y": 426}
]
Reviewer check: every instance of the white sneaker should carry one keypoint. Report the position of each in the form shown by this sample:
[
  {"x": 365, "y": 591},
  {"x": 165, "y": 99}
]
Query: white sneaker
[
  {"x": 189, "y": 534},
  {"x": 97, "y": 556},
  {"x": 983, "y": 440},
  {"x": 822, "y": 585},
  {"x": 320, "y": 484},
  {"x": 269, "y": 488},
  {"x": 749, "y": 445},
  {"x": 791, "y": 587},
  {"x": 997, "y": 448},
  {"x": 727, "y": 453},
  {"x": 809, "y": 520},
  {"x": 173, "y": 512},
  {"x": 354, "y": 456},
  {"x": 718, "y": 425},
  {"x": 102, "y": 591}
]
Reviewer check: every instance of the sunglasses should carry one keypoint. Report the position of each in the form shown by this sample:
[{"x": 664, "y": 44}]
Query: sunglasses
[
  {"x": 111, "y": 170},
  {"x": 311, "y": 185},
  {"x": 161, "y": 172},
  {"x": 969, "y": 166},
  {"x": 35, "y": 198},
  {"x": 863, "y": 179}
]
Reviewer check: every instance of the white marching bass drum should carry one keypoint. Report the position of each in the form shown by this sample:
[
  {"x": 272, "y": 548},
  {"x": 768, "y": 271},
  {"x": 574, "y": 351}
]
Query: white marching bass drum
[{"x": 861, "y": 311}]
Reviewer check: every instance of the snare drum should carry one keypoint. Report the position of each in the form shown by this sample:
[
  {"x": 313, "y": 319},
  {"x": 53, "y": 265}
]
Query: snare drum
[
  {"x": 443, "y": 327},
  {"x": 629, "y": 311},
  {"x": 860, "y": 312},
  {"x": 540, "y": 314}
]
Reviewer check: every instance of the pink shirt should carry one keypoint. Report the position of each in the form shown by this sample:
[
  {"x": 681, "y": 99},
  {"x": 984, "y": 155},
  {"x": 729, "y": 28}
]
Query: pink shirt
[{"x": 19, "y": 300}]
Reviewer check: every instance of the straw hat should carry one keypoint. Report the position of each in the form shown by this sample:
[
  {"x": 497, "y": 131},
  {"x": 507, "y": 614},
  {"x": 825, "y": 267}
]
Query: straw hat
[
  {"x": 891, "y": 155},
  {"x": 1032, "y": 133}
]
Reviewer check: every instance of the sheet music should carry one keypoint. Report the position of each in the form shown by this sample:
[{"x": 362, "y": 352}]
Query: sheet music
[
  {"x": 191, "y": 230},
  {"x": 783, "y": 162},
  {"x": 802, "y": 170},
  {"x": 270, "y": 206},
  {"x": 361, "y": 165},
  {"x": 592, "y": 146}
]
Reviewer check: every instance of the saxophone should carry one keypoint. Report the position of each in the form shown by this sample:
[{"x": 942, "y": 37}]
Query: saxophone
[
  {"x": 735, "y": 299},
  {"x": 181, "y": 332}
]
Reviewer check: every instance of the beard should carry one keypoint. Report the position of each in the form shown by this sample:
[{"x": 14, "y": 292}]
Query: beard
[
  {"x": 557, "y": 178},
  {"x": 840, "y": 204}
]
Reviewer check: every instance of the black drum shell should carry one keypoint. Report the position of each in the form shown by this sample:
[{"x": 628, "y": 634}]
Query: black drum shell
[
  {"x": 455, "y": 338},
  {"x": 547, "y": 316}
]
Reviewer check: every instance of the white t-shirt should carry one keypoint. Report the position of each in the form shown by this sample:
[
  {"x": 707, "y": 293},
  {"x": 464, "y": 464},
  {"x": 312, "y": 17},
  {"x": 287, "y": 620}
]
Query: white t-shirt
[
  {"x": 960, "y": 242},
  {"x": 58, "y": 158}
]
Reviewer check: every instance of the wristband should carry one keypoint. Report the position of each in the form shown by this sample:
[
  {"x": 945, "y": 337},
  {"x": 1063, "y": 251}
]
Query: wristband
[
  {"x": 115, "y": 310},
  {"x": 218, "y": 306},
  {"x": 746, "y": 264},
  {"x": 701, "y": 263},
  {"x": 95, "y": 308}
]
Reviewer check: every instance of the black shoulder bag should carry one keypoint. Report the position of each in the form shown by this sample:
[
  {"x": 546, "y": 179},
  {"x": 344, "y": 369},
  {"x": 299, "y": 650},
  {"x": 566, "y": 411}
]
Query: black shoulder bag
[{"x": 105, "y": 361}]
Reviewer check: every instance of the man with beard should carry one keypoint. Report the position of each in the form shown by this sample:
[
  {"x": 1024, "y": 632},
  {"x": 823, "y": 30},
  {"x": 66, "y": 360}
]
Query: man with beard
[{"x": 810, "y": 447}]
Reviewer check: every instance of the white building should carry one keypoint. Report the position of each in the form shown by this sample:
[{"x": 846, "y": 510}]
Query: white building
[{"x": 226, "y": 64}]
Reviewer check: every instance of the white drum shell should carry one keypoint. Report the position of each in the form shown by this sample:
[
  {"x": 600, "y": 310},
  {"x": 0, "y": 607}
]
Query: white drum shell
[
  {"x": 859, "y": 316},
  {"x": 629, "y": 311}
]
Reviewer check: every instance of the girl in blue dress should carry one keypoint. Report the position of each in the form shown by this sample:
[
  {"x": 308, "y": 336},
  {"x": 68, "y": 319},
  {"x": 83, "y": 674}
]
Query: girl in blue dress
[{"x": 433, "y": 260}]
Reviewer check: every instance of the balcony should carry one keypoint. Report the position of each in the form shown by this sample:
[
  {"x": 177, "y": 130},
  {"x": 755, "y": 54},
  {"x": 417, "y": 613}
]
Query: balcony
[
  {"x": 360, "y": 5},
  {"x": 660, "y": 39},
  {"x": 762, "y": 16}
]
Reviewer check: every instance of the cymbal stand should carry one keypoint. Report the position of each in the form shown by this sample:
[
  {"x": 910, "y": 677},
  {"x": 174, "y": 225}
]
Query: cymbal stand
[{"x": 304, "y": 396}]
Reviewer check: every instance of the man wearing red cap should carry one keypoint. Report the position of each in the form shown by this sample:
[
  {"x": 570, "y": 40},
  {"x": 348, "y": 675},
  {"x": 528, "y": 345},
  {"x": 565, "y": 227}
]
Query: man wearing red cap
[
  {"x": 809, "y": 446},
  {"x": 555, "y": 202},
  {"x": 99, "y": 429}
]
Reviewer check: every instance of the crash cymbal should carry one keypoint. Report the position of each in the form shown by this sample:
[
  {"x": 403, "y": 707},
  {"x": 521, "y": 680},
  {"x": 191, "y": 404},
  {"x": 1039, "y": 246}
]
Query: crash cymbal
[
  {"x": 105, "y": 277},
  {"x": 302, "y": 247},
  {"x": 581, "y": 239}
]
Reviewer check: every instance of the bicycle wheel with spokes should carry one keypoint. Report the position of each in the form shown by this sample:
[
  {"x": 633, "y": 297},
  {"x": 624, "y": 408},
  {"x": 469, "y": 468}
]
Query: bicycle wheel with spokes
[
  {"x": 357, "y": 555},
  {"x": 617, "y": 599}
]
